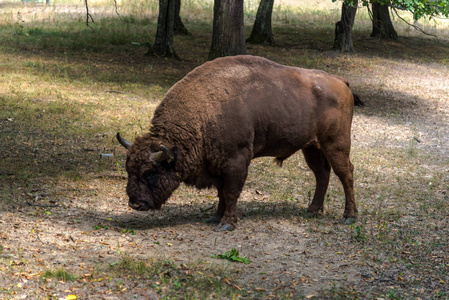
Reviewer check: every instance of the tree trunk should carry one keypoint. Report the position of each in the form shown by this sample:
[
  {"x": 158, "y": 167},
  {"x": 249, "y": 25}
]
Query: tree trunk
[
  {"x": 343, "y": 28},
  {"x": 163, "y": 45},
  {"x": 179, "y": 26},
  {"x": 261, "y": 33},
  {"x": 228, "y": 36},
  {"x": 382, "y": 26}
]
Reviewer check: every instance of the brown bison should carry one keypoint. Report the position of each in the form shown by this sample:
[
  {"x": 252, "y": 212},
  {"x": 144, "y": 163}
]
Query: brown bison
[{"x": 213, "y": 122}]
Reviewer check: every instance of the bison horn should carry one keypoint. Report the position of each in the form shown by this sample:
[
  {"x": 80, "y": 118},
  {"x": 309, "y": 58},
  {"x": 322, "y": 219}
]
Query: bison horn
[
  {"x": 163, "y": 155},
  {"x": 123, "y": 142}
]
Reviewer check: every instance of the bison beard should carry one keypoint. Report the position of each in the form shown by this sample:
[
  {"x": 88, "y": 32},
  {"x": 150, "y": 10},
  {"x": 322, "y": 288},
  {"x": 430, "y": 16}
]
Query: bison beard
[{"x": 213, "y": 122}]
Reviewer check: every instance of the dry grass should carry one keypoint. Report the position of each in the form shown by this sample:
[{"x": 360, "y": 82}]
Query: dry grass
[{"x": 65, "y": 91}]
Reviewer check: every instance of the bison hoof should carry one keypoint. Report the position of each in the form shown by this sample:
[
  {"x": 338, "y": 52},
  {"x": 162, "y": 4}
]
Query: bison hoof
[
  {"x": 224, "y": 227},
  {"x": 311, "y": 214},
  {"x": 214, "y": 220},
  {"x": 348, "y": 221}
]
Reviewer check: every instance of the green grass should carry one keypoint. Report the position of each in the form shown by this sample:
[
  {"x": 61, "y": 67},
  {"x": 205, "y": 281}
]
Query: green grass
[
  {"x": 193, "y": 281},
  {"x": 59, "y": 274}
]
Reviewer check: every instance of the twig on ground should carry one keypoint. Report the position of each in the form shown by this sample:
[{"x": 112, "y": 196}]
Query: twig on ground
[
  {"x": 120, "y": 92},
  {"x": 41, "y": 205}
]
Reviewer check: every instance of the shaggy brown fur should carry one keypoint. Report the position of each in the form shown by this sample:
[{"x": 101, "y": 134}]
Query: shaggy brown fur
[{"x": 231, "y": 110}]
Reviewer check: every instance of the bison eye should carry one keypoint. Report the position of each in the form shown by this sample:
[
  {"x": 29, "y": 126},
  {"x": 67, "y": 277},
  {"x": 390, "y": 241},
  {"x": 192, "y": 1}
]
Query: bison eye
[{"x": 150, "y": 177}]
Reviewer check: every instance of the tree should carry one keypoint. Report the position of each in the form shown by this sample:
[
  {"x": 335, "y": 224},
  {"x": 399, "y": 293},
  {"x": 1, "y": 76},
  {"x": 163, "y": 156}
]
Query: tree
[
  {"x": 343, "y": 28},
  {"x": 382, "y": 26},
  {"x": 179, "y": 26},
  {"x": 163, "y": 45},
  {"x": 228, "y": 36},
  {"x": 262, "y": 33},
  {"x": 419, "y": 8}
]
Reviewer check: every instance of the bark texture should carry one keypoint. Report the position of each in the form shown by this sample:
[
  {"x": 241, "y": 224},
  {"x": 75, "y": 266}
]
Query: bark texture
[
  {"x": 179, "y": 25},
  {"x": 343, "y": 28},
  {"x": 262, "y": 32},
  {"x": 228, "y": 36},
  {"x": 163, "y": 45},
  {"x": 382, "y": 26}
]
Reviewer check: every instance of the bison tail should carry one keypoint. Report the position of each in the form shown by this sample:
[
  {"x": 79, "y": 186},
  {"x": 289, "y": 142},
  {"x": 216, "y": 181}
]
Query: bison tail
[{"x": 357, "y": 101}]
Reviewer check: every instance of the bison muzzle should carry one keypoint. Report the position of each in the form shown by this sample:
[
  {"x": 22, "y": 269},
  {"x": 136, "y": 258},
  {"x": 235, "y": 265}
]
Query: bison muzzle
[{"x": 213, "y": 122}]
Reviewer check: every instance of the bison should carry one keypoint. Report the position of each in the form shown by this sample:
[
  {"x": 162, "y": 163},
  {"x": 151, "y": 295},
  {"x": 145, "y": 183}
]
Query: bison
[{"x": 214, "y": 121}]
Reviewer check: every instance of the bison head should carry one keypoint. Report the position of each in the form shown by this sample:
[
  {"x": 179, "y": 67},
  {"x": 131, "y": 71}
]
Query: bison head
[{"x": 151, "y": 173}]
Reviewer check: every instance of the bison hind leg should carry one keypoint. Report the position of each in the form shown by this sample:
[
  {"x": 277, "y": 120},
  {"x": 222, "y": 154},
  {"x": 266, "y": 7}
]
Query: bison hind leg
[
  {"x": 319, "y": 164},
  {"x": 343, "y": 168}
]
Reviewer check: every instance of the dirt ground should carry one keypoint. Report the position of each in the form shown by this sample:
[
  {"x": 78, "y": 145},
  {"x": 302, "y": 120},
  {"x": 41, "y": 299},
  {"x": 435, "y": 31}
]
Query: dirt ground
[{"x": 82, "y": 226}]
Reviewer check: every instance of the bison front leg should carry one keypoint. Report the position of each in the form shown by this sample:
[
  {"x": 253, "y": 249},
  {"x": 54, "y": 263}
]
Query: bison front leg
[
  {"x": 233, "y": 182},
  {"x": 221, "y": 207},
  {"x": 229, "y": 219},
  {"x": 318, "y": 163},
  {"x": 231, "y": 193}
]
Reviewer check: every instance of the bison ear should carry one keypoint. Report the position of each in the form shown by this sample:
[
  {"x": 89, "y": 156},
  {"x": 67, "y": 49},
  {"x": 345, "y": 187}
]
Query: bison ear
[{"x": 163, "y": 155}]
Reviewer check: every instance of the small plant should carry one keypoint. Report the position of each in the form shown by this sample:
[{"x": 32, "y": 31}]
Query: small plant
[
  {"x": 59, "y": 274},
  {"x": 120, "y": 168},
  {"x": 31, "y": 64},
  {"x": 19, "y": 24},
  {"x": 177, "y": 284},
  {"x": 130, "y": 265},
  {"x": 99, "y": 226},
  {"x": 412, "y": 149},
  {"x": 391, "y": 294},
  {"x": 233, "y": 255},
  {"x": 359, "y": 234}
]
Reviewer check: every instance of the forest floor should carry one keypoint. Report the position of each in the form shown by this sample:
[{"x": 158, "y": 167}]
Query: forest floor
[{"x": 66, "y": 230}]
